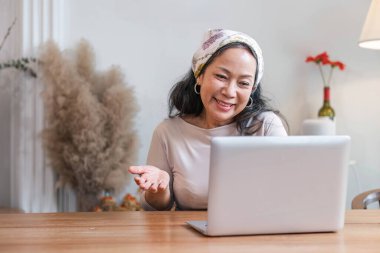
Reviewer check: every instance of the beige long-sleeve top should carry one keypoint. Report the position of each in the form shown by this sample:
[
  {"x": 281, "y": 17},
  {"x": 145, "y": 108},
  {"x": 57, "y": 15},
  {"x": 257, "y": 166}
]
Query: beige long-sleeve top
[{"x": 183, "y": 150}]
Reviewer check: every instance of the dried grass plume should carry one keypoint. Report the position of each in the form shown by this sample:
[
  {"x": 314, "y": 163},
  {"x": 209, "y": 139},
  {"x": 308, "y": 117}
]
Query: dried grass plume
[{"x": 89, "y": 137}]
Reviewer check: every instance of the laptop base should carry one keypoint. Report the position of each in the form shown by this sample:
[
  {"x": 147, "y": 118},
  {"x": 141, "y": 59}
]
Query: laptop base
[{"x": 199, "y": 225}]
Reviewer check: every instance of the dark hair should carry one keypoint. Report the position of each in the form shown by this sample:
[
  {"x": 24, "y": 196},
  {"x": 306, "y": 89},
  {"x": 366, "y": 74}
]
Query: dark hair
[{"x": 184, "y": 101}]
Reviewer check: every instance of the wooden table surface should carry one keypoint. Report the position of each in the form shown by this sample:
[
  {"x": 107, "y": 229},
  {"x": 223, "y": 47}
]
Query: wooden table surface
[{"x": 167, "y": 232}]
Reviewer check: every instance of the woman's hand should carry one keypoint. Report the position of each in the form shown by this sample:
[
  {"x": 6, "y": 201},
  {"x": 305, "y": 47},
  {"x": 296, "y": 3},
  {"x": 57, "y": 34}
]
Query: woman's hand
[{"x": 150, "y": 178}]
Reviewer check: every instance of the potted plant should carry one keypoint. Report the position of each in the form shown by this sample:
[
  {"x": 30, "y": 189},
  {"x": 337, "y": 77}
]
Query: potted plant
[{"x": 89, "y": 137}]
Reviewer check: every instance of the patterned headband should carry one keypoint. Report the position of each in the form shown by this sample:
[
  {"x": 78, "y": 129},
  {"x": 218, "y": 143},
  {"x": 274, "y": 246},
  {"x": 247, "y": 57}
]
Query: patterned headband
[{"x": 217, "y": 38}]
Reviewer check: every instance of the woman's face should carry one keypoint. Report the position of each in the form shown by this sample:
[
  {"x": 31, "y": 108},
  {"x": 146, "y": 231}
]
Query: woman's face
[{"x": 226, "y": 85}]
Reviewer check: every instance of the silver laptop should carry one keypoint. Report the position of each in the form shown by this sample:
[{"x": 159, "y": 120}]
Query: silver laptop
[{"x": 272, "y": 185}]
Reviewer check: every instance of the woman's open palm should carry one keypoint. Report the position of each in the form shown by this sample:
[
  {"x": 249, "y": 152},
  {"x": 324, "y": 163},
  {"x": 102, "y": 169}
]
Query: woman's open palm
[{"x": 150, "y": 178}]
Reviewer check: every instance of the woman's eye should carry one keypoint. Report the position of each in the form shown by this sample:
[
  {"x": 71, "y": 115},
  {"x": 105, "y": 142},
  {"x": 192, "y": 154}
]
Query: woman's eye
[
  {"x": 245, "y": 83},
  {"x": 220, "y": 76}
]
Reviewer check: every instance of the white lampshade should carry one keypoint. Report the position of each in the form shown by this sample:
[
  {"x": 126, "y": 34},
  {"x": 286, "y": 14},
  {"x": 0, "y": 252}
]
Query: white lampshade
[{"x": 370, "y": 37}]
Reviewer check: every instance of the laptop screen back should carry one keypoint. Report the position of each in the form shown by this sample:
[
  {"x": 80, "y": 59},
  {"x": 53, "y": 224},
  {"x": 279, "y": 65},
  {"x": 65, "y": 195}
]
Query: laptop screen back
[{"x": 277, "y": 184}]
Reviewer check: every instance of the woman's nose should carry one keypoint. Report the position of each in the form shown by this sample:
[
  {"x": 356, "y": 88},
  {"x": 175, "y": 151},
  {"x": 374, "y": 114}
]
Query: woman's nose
[{"x": 229, "y": 89}]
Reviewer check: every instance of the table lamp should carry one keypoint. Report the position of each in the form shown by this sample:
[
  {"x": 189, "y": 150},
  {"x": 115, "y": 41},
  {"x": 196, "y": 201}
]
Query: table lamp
[{"x": 370, "y": 36}]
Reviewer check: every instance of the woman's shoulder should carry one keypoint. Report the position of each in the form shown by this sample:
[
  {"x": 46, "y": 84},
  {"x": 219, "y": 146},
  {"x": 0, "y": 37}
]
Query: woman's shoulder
[
  {"x": 167, "y": 123},
  {"x": 169, "y": 126},
  {"x": 269, "y": 116},
  {"x": 271, "y": 124}
]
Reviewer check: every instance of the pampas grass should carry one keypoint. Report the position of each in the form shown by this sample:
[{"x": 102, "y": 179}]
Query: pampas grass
[{"x": 89, "y": 136}]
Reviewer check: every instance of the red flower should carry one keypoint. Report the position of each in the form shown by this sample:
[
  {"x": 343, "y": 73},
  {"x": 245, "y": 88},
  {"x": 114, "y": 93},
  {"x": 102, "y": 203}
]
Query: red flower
[
  {"x": 338, "y": 64},
  {"x": 324, "y": 59},
  {"x": 310, "y": 58}
]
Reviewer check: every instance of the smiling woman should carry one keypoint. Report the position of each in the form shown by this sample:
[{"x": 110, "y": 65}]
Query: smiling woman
[
  {"x": 220, "y": 96},
  {"x": 226, "y": 86}
]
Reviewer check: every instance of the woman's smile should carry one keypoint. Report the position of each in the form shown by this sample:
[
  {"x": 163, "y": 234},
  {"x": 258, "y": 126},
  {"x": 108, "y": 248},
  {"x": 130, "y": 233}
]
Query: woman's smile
[{"x": 224, "y": 106}]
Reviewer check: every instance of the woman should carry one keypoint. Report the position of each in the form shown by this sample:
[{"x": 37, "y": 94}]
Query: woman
[{"x": 220, "y": 96}]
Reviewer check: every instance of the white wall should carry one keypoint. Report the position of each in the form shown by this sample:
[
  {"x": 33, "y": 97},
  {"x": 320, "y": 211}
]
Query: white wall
[{"x": 153, "y": 41}]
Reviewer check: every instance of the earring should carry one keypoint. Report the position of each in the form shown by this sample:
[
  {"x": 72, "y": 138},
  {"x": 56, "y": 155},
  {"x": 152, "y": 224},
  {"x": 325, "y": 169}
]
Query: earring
[
  {"x": 195, "y": 89},
  {"x": 250, "y": 103}
]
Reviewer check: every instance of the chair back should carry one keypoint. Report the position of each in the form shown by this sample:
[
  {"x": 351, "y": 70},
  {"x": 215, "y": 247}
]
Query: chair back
[{"x": 364, "y": 199}]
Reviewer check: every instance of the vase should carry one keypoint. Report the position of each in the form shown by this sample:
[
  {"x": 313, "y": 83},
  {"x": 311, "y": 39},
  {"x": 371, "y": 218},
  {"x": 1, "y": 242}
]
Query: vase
[
  {"x": 326, "y": 109},
  {"x": 87, "y": 201}
]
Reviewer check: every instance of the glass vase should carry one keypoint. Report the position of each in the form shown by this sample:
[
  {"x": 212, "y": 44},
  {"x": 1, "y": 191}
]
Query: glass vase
[{"x": 326, "y": 109}]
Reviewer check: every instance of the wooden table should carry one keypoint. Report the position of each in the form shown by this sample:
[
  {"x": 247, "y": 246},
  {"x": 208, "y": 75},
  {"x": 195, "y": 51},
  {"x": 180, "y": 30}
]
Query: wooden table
[
  {"x": 167, "y": 232},
  {"x": 10, "y": 210}
]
